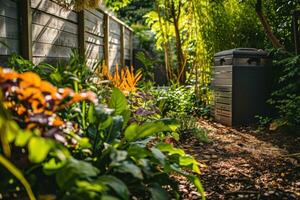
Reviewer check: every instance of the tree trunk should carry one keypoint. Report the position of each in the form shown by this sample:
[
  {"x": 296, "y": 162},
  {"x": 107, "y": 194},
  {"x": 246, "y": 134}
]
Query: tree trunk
[
  {"x": 275, "y": 41},
  {"x": 181, "y": 63}
]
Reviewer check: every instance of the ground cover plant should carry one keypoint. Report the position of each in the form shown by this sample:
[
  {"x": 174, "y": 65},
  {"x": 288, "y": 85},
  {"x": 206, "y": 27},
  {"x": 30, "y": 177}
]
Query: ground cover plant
[{"x": 67, "y": 145}]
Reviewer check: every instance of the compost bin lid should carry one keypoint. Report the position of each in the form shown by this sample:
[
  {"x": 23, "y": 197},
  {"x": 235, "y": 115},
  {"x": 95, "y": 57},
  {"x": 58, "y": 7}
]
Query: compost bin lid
[{"x": 243, "y": 52}]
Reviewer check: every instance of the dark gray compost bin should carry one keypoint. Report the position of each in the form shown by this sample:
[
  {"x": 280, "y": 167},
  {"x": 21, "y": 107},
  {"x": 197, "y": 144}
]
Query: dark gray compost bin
[{"x": 240, "y": 85}]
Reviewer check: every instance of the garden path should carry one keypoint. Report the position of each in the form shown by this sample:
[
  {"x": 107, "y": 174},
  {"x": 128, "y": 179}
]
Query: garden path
[{"x": 245, "y": 163}]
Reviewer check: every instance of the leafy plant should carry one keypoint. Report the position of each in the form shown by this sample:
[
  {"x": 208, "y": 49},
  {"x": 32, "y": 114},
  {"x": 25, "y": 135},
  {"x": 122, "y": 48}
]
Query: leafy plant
[
  {"x": 176, "y": 101},
  {"x": 189, "y": 127},
  {"x": 286, "y": 97},
  {"x": 113, "y": 159}
]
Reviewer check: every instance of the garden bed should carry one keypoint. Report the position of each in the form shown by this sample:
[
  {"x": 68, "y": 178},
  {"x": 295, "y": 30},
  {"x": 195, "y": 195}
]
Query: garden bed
[{"x": 244, "y": 163}]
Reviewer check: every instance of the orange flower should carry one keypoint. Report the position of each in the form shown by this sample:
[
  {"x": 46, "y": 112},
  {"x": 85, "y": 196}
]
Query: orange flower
[{"x": 30, "y": 79}]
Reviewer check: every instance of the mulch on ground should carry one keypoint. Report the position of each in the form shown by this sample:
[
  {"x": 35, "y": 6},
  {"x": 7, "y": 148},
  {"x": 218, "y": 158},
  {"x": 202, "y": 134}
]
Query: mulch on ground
[{"x": 244, "y": 163}]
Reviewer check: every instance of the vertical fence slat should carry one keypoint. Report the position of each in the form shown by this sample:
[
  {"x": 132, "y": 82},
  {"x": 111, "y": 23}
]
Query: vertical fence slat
[
  {"x": 25, "y": 28},
  {"x": 81, "y": 34},
  {"x": 122, "y": 45},
  {"x": 106, "y": 39},
  {"x": 131, "y": 48}
]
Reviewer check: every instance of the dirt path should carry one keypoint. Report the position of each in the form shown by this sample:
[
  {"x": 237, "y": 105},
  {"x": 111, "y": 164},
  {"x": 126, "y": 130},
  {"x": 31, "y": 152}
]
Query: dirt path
[{"x": 245, "y": 164}]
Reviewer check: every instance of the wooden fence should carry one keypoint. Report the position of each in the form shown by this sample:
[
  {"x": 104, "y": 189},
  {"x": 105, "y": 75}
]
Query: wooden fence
[{"x": 43, "y": 31}]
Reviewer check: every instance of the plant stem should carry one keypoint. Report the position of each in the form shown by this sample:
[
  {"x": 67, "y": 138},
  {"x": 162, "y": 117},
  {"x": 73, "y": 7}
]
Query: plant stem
[{"x": 18, "y": 174}]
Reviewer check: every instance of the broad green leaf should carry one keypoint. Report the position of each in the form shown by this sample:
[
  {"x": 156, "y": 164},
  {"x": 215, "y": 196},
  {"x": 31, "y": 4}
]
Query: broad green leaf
[
  {"x": 159, "y": 155},
  {"x": 135, "y": 132},
  {"x": 91, "y": 186},
  {"x": 128, "y": 167},
  {"x": 189, "y": 161},
  {"x": 12, "y": 129},
  {"x": 116, "y": 184},
  {"x": 118, "y": 101},
  {"x": 22, "y": 138},
  {"x": 137, "y": 152},
  {"x": 106, "y": 123},
  {"x": 38, "y": 149},
  {"x": 170, "y": 149},
  {"x": 73, "y": 170},
  {"x": 126, "y": 116},
  {"x": 131, "y": 132}
]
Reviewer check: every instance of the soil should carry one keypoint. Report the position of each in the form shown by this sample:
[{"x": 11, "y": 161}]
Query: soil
[{"x": 244, "y": 163}]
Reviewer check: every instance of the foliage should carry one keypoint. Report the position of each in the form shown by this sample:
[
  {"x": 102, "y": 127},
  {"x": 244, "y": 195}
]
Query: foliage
[
  {"x": 143, "y": 106},
  {"x": 74, "y": 74},
  {"x": 134, "y": 12},
  {"x": 286, "y": 98},
  {"x": 126, "y": 80},
  {"x": 177, "y": 101},
  {"x": 111, "y": 159},
  {"x": 189, "y": 127},
  {"x": 88, "y": 4}
]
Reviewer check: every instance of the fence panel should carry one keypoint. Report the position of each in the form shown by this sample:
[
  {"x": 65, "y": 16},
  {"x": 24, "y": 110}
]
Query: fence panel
[
  {"x": 51, "y": 32},
  {"x": 94, "y": 36},
  {"x": 9, "y": 30},
  {"x": 54, "y": 31}
]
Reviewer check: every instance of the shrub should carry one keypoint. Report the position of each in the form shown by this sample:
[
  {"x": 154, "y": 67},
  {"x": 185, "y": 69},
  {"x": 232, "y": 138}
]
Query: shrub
[
  {"x": 110, "y": 158},
  {"x": 286, "y": 97}
]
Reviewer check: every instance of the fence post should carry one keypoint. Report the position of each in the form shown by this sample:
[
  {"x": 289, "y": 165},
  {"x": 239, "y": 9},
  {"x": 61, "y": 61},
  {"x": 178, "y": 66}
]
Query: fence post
[
  {"x": 81, "y": 34},
  {"x": 106, "y": 39},
  {"x": 131, "y": 48},
  {"x": 122, "y": 46},
  {"x": 25, "y": 15},
  {"x": 295, "y": 21}
]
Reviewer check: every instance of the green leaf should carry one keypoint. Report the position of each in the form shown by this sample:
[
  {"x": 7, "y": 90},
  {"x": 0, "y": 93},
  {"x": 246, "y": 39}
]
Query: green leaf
[
  {"x": 23, "y": 138},
  {"x": 126, "y": 116},
  {"x": 90, "y": 186},
  {"x": 56, "y": 77},
  {"x": 128, "y": 167},
  {"x": 73, "y": 170},
  {"x": 159, "y": 155},
  {"x": 116, "y": 184},
  {"x": 189, "y": 161},
  {"x": 38, "y": 149},
  {"x": 114, "y": 131},
  {"x": 134, "y": 132},
  {"x": 131, "y": 132},
  {"x": 91, "y": 114},
  {"x": 137, "y": 152},
  {"x": 12, "y": 130},
  {"x": 195, "y": 180},
  {"x": 170, "y": 149},
  {"x": 118, "y": 101},
  {"x": 106, "y": 123}
]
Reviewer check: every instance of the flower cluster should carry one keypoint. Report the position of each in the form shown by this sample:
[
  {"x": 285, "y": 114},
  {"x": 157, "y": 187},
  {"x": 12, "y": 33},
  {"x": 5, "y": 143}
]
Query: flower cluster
[{"x": 35, "y": 101}]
